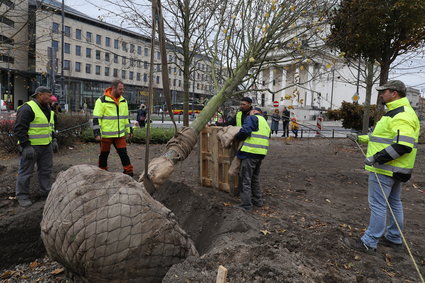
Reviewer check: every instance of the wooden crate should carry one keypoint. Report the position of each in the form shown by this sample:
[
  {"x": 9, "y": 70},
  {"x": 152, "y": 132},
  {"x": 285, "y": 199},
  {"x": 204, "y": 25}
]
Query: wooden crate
[{"x": 215, "y": 162}]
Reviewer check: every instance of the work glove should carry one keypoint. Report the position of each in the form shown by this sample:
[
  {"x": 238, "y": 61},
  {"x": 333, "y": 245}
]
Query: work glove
[
  {"x": 55, "y": 146},
  {"x": 28, "y": 152},
  {"x": 369, "y": 160},
  {"x": 353, "y": 137}
]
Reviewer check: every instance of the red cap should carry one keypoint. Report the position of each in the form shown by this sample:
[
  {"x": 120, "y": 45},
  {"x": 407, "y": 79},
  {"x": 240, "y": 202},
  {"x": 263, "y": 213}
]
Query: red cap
[{"x": 54, "y": 99}]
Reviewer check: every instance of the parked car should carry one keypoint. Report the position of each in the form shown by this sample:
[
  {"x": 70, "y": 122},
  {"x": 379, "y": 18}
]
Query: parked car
[{"x": 3, "y": 105}]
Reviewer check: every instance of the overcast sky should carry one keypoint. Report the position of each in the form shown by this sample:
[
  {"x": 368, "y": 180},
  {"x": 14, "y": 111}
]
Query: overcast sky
[{"x": 414, "y": 77}]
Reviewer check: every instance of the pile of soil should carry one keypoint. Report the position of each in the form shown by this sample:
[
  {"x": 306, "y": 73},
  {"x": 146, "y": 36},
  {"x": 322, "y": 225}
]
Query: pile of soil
[{"x": 315, "y": 194}]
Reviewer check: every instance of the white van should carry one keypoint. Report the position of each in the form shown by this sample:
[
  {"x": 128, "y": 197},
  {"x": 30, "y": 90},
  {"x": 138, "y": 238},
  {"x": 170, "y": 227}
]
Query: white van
[{"x": 3, "y": 106}]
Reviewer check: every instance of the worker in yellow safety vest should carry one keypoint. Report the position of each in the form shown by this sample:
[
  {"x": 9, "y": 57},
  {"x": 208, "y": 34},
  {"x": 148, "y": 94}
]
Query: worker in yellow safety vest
[
  {"x": 35, "y": 130},
  {"x": 255, "y": 134},
  {"x": 245, "y": 107},
  {"x": 390, "y": 159},
  {"x": 111, "y": 124}
]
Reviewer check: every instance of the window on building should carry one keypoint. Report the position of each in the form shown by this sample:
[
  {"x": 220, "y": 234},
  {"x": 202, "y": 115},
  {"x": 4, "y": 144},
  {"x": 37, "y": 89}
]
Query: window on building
[
  {"x": 131, "y": 62},
  {"x": 98, "y": 54},
  {"x": 55, "y": 44},
  {"x": 170, "y": 58},
  {"x": 115, "y": 58},
  {"x": 116, "y": 43},
  {"x": 158, "y": 67},
  {"x": 67, "y": 48},
  {"x": 123, "y": 74},
  {"x": 67, "y": 31},
  {"x": 145, "y": 77},
  {"x": 139, "y": 63},
  {"x": 6, "y": 40},
  {"x": 78, "y": 33},
  {"x": 55, "y": 27},
  {"x": 130, "y": 75},
  {"x": 88, "y": 36},
  {"x": 88, "y": 68},
  {"x": 107, "y": 71},
  {"x": 78, "y": 50},
  {"x": 158, "y": 55},
  {"x": 88, "y": 52},
  {"x": 157, "y": 79},
  {"x": 124, "y": 60},
  {"x": 98, "y": 39},
  {"x": 8, "y": 3},
  {"x": 169, "y": 70},
  {"x": 131, "y": 48},
  {"x": 180, "y": 83},
  {"x": 145, "y": 64},
  {"x": 78, "y": 66},
  {"x": 115, "y": 73},
  {"x": 138, "y": 76},
  {"x": 124, "y": 46},
  {"x": 66, "y": 64},
  {"x": 139, "y": 50},
  {"x": 107, "y": 41},
  {"x": 97, "y": 70},
  {"x": 107, "y": 56},
  {"x": 174, "y": 82},
  {"x": 146, "y": 51},
  {"x": 7, "y": 59}
]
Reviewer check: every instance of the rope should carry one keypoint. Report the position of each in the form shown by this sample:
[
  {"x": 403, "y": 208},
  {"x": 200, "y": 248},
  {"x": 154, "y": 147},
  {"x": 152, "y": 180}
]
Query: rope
[
  {"x": 395, "y": 220},
  {"x": 183, "y": 142},
  {"x": 78, "y": 126}
]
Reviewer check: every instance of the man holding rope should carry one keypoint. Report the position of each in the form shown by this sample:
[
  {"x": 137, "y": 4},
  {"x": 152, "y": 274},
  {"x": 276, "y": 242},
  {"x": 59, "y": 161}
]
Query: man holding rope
[{"x": 390, "y": 158}]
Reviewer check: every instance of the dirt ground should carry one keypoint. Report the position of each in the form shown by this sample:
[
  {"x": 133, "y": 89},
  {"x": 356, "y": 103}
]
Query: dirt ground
[{"x": 315, "y": 194}]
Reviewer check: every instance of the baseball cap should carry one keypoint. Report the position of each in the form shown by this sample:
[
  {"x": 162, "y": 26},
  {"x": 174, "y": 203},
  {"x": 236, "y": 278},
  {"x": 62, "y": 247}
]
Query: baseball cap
[
  {"x": 247, "y": 99},
  {"x": 41, "y": 89},
  {"x": 258, "y": 109},
  {"x": 393, "y": 85}
]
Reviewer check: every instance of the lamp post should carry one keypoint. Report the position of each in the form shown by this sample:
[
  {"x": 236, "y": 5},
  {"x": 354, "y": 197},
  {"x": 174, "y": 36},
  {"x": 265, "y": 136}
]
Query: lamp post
[{"x": 62, "y": 53}]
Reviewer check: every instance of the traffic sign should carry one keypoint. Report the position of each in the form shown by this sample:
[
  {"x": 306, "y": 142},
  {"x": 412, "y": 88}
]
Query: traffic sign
[
  {"x": 355, "y": 97},
  {"x": 276, "y": 103}
]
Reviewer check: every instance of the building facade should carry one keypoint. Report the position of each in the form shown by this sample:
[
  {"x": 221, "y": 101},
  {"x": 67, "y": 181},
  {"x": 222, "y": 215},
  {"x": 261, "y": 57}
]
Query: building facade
[{"x": 94, "y": 54}]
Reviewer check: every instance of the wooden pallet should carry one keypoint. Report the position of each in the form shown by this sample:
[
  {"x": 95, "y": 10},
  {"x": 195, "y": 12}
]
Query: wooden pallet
[{"x": 215, "y": 162}]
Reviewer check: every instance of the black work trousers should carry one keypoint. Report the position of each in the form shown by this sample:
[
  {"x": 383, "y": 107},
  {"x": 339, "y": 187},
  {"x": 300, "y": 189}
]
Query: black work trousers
[{"x": 249, "y": 183}]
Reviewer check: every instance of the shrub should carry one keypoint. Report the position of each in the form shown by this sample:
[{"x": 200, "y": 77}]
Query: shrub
[
  {"x": 70, "y": 127},
  {"x": 158, "y": 135},
  {"x": 351, "y": 115},
  {"x": 8, "y": 142}
]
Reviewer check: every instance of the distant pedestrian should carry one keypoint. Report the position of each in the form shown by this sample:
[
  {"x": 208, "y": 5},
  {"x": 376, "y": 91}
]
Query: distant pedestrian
[
  {"x": 266, "y": 115},
  {"x": 275, "y": 121},
  {"x": 294, "y": 126},
  {"x": 285, "y": 121},
  {"x": 141, "y": 115},
  {"x": 111, "y": 124},
  {"x": 35, "y": 131}
]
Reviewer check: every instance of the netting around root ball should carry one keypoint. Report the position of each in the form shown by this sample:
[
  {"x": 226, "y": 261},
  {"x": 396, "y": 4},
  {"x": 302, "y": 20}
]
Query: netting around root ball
[{"x": 104, "y": 226}]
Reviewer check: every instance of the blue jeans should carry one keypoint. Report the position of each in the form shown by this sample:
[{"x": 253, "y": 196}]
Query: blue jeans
[{"x": 379, "y": 207}]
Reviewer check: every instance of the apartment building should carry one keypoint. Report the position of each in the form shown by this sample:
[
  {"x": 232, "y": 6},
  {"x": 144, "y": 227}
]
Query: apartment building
[{"x": 94, "y": 54}]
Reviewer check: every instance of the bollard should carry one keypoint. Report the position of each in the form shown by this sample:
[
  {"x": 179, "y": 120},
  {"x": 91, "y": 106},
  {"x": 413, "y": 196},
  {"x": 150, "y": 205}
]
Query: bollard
[
  {"x": 301, "y": 136},
  {"x": 333, "y": 133}
]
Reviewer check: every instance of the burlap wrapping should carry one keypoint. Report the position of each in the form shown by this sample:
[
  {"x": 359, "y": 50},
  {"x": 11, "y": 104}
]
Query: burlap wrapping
[
  {"x": 234, "y": 166},
  {"x": 105, "y": 227},
  {"x": 227, "y": 134},
  {"x": 183, "y": 143},
  {"x": 160, "y": 169}
]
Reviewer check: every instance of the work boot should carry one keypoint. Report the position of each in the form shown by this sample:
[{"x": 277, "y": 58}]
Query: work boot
[
  {"x": 24, "y": 202},
  {"x": 129, "y": 173},
  {"x": 387, "y": 243},
  {"x": 358, "y": 245}
]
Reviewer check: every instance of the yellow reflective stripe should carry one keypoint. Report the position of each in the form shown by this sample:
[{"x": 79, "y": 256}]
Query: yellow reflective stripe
[
  {"x": 39, "y": 136},
  {"x": 390, "y": 150},
  {"x": 405, "y": 139},
  {"x": 40, "y": 125},
  {"x": 259, "y": 136},
  {"x": 381, "y": 140},
  {"x": 394, "y": 169},
  {"x": 256, "y": 145},
  {"x": 113, "y": 117},
  {"x": 113, "y": 133}
]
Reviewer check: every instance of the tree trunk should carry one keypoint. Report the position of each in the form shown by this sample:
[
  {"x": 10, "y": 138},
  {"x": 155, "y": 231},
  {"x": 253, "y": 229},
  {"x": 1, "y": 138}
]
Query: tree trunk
[
  {"x": 383, "y": 78},
  {"x": 369, "y": 85}
]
